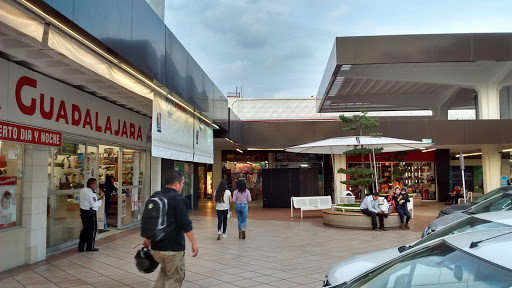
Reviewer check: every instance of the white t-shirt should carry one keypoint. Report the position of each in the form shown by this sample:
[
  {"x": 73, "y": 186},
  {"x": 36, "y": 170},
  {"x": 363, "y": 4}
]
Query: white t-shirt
[{"x": 225, "y": 205}]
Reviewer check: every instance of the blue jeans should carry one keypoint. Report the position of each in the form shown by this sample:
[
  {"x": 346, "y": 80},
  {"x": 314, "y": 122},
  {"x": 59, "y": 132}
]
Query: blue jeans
[
  {"x": 241, "y": 210},
  {"x": 403, "y": 211}
]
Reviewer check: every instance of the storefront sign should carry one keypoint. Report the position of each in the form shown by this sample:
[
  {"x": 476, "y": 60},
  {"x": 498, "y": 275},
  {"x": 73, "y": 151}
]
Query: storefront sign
[
  {"x": 429, "y": 141},
  {"x": 8, "y": 186},
  {"x": 33, "y": 98},
  {"x": 30, "y": 135}
]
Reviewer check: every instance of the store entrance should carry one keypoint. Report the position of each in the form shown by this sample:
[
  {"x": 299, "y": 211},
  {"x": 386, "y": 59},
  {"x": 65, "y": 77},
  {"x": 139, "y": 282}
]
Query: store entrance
[{"x": 120, "y": 173}]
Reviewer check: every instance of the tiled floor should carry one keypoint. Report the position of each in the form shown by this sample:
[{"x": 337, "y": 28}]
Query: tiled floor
[{"x": 278, "y": 252}]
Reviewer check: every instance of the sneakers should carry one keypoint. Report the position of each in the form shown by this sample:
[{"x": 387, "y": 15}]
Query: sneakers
[
  {"x": 218, "y": 235},
  {"x": 224, "y": 235}
]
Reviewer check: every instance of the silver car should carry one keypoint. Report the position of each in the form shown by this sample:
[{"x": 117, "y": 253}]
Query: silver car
[
  {"x": 472, "y": 259},
  {"x": 499, "y": 202},
  {"x": 350, "y": 268}
]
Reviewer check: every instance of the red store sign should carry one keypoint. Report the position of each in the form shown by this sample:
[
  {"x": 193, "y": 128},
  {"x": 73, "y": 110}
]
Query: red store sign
[{"x": 29, "y": 135}]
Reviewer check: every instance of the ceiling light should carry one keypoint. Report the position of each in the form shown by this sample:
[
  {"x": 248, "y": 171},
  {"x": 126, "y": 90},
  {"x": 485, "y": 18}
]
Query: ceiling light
[
  {"x": 470, "y": 154},
  {"x": 239, "y": 150},
  {"x": 428, "y": 150}
]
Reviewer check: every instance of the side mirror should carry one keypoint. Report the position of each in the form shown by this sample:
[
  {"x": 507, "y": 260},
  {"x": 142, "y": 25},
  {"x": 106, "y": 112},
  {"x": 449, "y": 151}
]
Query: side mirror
[
  {"x": 402, "y": 249},
  {"x": 457, "y": 272}
]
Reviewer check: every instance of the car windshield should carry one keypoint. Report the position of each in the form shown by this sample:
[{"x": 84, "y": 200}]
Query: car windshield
[
  {"x": 497, "y": 203},
  {"x": 436, "y": 265},
  {"x": 465, "y": 225},
  {"x": 493, "y": 193}
]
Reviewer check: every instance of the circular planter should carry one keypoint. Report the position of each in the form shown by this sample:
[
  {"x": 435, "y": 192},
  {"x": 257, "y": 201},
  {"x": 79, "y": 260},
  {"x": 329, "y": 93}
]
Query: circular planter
[{"x": 335, "y": 218}]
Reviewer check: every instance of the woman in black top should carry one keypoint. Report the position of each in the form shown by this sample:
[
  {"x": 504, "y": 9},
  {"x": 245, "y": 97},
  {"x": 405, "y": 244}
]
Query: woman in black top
[
  {"x": 401, "y": 207},
  {"x": 109, "y": 189}
]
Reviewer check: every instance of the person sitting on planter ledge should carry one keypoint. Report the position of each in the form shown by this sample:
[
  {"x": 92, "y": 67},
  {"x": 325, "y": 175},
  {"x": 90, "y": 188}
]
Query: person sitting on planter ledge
[{"x": 370, "y": 207}]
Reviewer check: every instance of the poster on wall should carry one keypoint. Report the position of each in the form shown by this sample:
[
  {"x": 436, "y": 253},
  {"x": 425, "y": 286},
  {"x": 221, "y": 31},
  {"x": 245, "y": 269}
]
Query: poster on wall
[
  {"x": 8, "y": 186},
  {"x": 173, "y": 130},
  {"x": 203, "y": 141}
]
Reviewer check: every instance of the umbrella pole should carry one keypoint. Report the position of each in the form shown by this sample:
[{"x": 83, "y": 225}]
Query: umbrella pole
[{"x": 375, "y": 170}]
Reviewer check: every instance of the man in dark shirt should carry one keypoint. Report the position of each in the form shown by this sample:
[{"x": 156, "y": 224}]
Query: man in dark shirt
[{"x": 170, "y": 251}]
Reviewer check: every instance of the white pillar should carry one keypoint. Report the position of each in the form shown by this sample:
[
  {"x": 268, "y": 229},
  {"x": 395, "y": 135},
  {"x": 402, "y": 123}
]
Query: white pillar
[
  {"x": 339, "y": 161},
  {"x": 491, "y": 164},
  {"x": 156, "y": 174},
  {"x": 35, "y": 200},
  {"x": 488, "y": 101},
  {"x": 217, "y": 169}
]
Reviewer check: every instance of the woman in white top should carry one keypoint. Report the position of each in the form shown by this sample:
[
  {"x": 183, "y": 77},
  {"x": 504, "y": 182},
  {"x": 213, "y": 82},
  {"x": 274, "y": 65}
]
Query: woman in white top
[{"x": 222, "y": 199}]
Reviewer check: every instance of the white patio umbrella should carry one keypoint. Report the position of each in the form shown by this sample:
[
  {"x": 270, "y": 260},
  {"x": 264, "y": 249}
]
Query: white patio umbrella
[{"x": 339, "y": 145}]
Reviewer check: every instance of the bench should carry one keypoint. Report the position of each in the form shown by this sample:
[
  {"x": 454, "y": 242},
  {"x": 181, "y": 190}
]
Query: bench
[
  {"x": 410, "y": 205},
  {"x": 310, "y": 203},
  {"x": 469, "y": 197},
  {"x": 347, "y": 197}
]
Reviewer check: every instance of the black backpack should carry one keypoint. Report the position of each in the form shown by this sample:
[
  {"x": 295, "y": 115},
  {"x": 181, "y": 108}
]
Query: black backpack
[{"x": 154, "y": 219}]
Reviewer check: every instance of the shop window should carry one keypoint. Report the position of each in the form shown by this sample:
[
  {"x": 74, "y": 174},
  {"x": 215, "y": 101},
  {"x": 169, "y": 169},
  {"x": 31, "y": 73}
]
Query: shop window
[
  {"x": 133, "y": 164},
  {"x": 68, "y": 167},
  {"x": 66, "y": 173},
  {"x": 108, "y": 171},
  {"x": 11, "y": 174}
]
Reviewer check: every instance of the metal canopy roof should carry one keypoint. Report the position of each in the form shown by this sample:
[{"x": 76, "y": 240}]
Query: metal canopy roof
[{"x": 409, "y": 72}]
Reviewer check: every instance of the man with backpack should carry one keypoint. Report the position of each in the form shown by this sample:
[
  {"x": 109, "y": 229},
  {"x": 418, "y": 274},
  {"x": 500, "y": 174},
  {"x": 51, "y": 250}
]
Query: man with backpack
[{"x": 165, "y": 235}]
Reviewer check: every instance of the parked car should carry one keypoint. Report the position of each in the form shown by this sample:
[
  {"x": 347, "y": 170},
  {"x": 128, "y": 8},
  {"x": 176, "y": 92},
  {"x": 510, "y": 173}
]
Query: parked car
[
  {"x": 499, "y": 202},
  {"x": 350, "y": 268},
  {"x": 472, "y": 259},
  {"x": 464, "y": 206}
]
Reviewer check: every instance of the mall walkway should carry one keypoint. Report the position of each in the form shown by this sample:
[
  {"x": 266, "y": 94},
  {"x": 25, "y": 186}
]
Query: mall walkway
[{"x": 278, "y": 252}]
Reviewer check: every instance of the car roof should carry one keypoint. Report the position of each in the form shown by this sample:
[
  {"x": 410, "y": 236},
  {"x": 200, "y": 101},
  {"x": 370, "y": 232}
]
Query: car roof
[
  {"x": 503, "y": 217},
  {"x": 496, "y": 250}
]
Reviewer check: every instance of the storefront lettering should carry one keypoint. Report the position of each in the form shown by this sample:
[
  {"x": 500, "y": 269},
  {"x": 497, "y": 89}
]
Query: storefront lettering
[
  {"x": 24, "y": 134},
  {"x": 123, "y": 129}
]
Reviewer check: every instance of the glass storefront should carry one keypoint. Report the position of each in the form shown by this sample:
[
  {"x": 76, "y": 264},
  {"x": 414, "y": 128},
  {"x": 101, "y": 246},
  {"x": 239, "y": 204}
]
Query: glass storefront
[
  {"x": 11, "y": 174},
  {"x": 188, "y": 171},
  {"x": 71, "y": 166}
]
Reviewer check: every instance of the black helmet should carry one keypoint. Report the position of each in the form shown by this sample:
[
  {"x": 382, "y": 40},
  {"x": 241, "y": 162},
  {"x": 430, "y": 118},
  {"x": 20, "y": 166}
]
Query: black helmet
[{"x": 145, "y": 261}]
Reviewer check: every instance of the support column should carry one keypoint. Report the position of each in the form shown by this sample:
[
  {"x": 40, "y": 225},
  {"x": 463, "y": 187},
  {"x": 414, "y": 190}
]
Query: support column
[
  {"x": 488, "y": 102},
  {"x": 339, "y": 161},
  {"x": 217, "y": 169},
  {"x": 35, "y": 200},
  {"x": 491, "y": 164}
]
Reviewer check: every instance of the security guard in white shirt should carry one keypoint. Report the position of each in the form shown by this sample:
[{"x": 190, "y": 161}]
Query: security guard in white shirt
[{"x": 89, "y": 203}]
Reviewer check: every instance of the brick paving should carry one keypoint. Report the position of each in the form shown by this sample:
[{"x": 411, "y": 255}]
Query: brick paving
[{"x": 279, "y": 252}]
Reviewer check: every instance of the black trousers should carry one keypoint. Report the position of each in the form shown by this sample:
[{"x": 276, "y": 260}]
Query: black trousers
[
  {"x": 222, "y": 216},
  {"x": 374, "y": 218},
  {"x": 108, "y": 201},
  {"x": 89, "y": 230}
]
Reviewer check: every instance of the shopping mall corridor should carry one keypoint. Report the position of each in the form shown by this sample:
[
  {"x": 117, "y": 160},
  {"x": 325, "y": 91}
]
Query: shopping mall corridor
[{"x": 279, "y": 252}]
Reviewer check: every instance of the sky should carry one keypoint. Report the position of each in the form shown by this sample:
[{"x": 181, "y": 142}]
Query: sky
[{"x": 279, "y": 48}]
